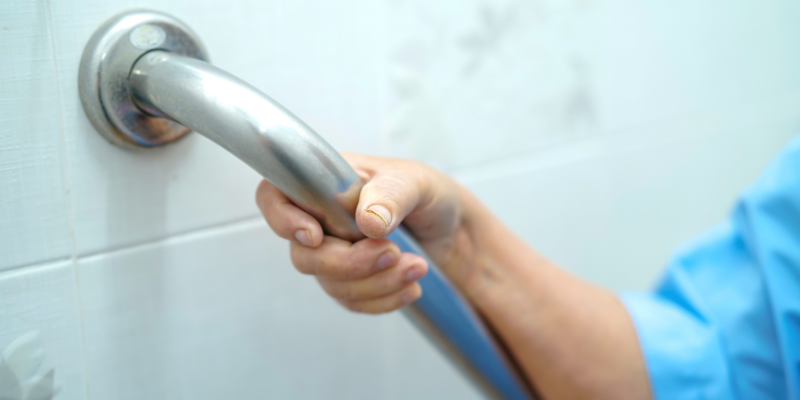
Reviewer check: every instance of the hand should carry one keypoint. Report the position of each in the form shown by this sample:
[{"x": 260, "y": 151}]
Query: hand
[
  {"x": 371, "y": 275},
  {"x": 528, "y": 301}
]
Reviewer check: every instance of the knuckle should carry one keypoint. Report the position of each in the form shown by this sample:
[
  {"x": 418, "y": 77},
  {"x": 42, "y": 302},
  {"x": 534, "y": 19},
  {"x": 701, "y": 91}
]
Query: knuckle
[
  {"x": 353, "y": 266},
  {"x": 392, "y": 189}
]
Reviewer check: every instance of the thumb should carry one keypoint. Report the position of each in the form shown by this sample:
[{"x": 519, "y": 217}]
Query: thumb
[{"x": 386, "y": 200}]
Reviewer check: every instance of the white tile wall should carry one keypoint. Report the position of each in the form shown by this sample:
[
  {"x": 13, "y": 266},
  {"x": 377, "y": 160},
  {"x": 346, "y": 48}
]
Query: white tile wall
[
  {"x": 417, "y": 370},
  {"x": 40, "y": 334},
  {"x": 604, "y": 132},
  {"x": 472, "y": 82},
  {"x": 614, "y": 212},
  {"x": 222, "y": 314},
  {"x": 318, "y": 59},
  {"x": 34, "y": 222}
]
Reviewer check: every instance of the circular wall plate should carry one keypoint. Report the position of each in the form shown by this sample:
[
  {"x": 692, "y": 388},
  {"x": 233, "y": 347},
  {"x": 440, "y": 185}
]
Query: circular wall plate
[{"x": 106, "y": 64}]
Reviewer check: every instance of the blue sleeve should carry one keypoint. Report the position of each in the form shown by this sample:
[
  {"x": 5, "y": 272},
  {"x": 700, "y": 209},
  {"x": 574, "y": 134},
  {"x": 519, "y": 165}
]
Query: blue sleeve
[{"x": 724, "y": 323}]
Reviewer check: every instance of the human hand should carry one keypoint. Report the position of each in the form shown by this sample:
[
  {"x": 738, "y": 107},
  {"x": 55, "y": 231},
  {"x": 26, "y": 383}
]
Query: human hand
[{"x": 371, "y": 275}]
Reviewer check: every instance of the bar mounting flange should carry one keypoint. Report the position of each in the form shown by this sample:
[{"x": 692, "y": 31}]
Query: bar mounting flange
[{"x": 106, "y": 64}]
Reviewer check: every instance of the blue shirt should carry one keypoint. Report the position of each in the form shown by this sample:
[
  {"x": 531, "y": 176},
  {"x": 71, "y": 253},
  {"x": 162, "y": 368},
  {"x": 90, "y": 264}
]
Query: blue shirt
[{"x": 724, "y": 323}]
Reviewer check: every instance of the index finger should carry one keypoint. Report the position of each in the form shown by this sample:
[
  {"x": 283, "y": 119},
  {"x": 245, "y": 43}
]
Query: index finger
[{"x": 286, "y": 219}]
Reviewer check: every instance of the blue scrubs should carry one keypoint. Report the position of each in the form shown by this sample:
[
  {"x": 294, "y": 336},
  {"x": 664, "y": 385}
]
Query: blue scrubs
[{"x": 725, "y": 321}]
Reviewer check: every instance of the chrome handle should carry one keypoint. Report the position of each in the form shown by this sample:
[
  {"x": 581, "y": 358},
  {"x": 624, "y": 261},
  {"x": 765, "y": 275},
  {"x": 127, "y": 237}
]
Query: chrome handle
[
  {"x": 144, "y": 82},
  {"x": 255, "y": 128}
]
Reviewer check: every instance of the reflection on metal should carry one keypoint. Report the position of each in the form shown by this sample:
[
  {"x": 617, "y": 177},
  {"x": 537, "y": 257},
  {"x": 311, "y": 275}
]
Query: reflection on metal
[
  {"x": 155, "y": 93},
  {"x": 103, "y": 76},
  {"x": 19, "y": 366}
]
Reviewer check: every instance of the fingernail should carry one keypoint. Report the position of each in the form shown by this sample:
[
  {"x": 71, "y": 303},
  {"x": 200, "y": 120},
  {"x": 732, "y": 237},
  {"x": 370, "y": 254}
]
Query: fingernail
[
  {"x": 382, "y": 213},
  {"x": 414, "y": 274},
  {"x": 303, "y": 237},
  {"x": 386, "y": 260}
]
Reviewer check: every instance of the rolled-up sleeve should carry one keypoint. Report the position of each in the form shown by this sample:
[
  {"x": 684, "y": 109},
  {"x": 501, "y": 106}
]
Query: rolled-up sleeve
[{"x": 724, "y": 322}]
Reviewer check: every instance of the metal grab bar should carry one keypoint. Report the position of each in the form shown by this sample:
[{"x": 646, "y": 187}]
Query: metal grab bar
[{"x": 144, "y": 82}]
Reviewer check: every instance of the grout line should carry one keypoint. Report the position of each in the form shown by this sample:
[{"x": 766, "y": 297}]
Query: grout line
[
  {"x": 62, "y": 136},
  {"x": 33, "y": 266},
  {"x": 190, "y": 234},
  {"x": 68, "y": 194}
]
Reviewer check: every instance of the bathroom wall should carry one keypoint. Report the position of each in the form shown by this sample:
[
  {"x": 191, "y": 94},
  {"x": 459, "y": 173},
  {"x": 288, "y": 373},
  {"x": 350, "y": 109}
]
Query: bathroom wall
[{"x": 605, "y": 132}]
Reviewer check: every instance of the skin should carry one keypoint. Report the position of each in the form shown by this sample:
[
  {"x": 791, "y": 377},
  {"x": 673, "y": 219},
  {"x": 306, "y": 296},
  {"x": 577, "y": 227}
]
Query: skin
[{"x": 573, "y": 340}]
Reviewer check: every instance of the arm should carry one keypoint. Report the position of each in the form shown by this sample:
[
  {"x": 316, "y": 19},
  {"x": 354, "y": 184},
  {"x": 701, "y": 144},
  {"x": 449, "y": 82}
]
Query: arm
[{"x": 573, "y": 340}]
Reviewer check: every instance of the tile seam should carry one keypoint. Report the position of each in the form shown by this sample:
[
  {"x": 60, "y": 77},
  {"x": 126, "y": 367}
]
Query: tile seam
[
  {"x": 176, "y": 237},
  {"x": 65, "y": 175},
  {"x": 22, "y": 269}
]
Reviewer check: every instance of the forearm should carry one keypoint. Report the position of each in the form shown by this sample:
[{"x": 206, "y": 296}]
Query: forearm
[{"x": 572, "y": 339}]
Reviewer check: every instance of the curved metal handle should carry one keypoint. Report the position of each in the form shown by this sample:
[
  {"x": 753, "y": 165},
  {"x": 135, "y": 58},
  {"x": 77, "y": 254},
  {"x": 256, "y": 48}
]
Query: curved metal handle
[
  {"x": 255, "y": 128},
  {"x": 289, "y": 154},
  {"x": 164, "y": 86}
]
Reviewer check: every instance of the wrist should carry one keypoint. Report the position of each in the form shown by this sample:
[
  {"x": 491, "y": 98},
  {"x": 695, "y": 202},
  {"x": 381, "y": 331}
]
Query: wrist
[
  {"x": 473, "y": 266},
  {"x": 491, "y": 263}
]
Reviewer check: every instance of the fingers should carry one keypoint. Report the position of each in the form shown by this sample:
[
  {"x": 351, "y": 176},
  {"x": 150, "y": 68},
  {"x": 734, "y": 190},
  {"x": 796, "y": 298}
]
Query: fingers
[
  {"x": 401, "y": 191},
  {"x": 341, "y": 260},
  {"x": 369, "y": 276},
  {"x": 409, "y": 269},
  {"x": 386, "y": 303},
  {"x": 287, "y": 220},
  {"x": 389, "y": 196}
]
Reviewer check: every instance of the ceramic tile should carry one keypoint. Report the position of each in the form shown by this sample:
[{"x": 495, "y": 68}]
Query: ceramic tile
[
  {"x": 614, "y": 217},
  {"x": 470, "y": 82},
  {"x": 33, "y": 201},
  {"x": 417, "y": 370},
  {"x": 597, "y": 130},
  {"x": 317, "y": 58},
  {"x": 41, "y": 353},
  {"x": 222, "y": 314}
]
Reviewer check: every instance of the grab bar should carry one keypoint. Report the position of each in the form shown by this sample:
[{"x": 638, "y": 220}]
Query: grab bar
[{"x": 144, "y": 83}]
